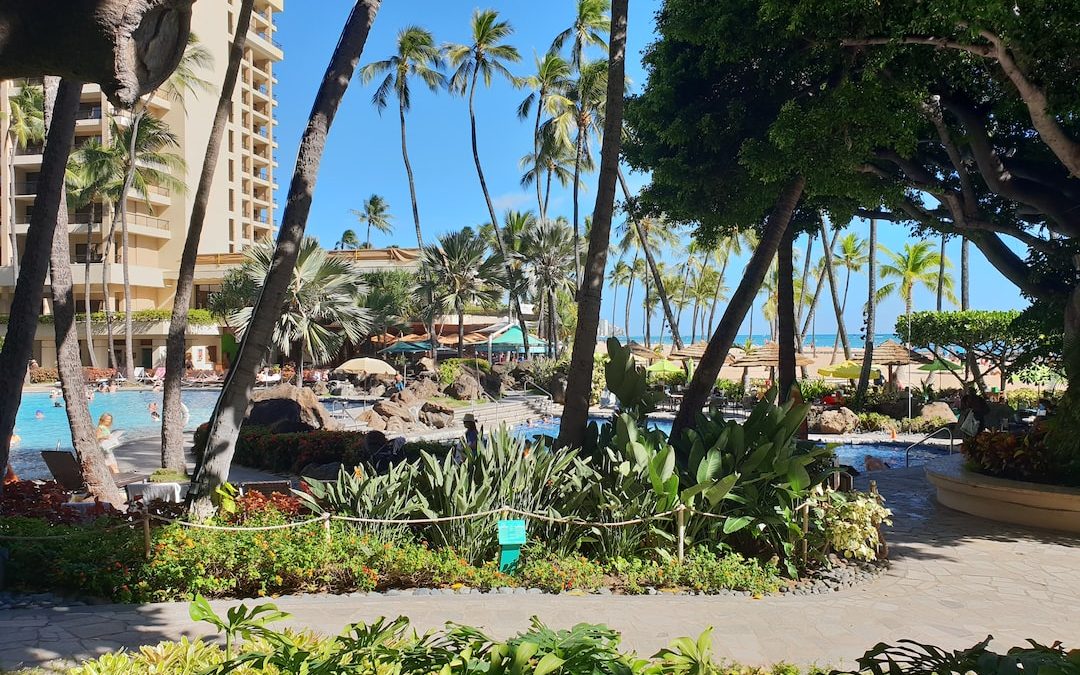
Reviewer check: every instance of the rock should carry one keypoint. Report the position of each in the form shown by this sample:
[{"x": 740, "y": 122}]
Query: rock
[
  {"x": 377, "y": 390},
  {"x": 286, "y": 405},
  {"x": 424, "y": 389},
  {"x": 405, "y": 398},
  {"x": 372, "y": 419},
  {"x": 464, "y": 388},
  {"x": 840, "y": 421},
  {"x": 326, "y": 472},
  {"x": 436, "y": 415},
  {"x": 937, "y": 410},
  {"x": 393, "y": 409},
  {"x": 395, "y": 426}
]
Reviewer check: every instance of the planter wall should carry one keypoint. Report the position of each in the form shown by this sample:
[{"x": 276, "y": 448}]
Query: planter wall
[{"x": 1008, "y": 501}]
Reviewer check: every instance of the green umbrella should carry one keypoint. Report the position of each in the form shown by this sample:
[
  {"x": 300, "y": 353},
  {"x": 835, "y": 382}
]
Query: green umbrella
[
  {"x": 938, "y": 364},
  {"x": 664, "y": 366}
]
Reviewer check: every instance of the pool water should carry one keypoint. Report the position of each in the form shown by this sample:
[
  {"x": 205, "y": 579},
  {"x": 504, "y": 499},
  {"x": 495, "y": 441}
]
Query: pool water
[
  {"x": 853, "y": 455},
  {"x": 130, "y": 414}
]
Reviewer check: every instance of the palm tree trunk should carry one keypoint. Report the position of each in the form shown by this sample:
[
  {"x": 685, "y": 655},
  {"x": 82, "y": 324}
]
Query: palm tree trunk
[
  {"x": 515, "y": 300},
  {"x": 871, "y": 328},
  {"x": 541, "y": 203},
  {"x": 843, "y": 310},
  {"x": 694, "y": 322},
  {"x": 716, "y": 293},
  {"x": 941, "y": 276},
  {"x": 965, "y": 302},
  {"x": 682, "y": 297},
  {"x": 30, "y": 286},
  {"x": 647, "y": 327},
  {"x": 172, "y": 415},
  {"x": 590, "y": 295},
  {"x": 842, "y": 332},
  {"x": 663, "y": 327},
  {"x": 709, "y": 368},
  {"x": 629, "y": 297},
  {"x": 98, "y": 478},
  {"x": 785, "y": 313},
  {"x": 547, "y": 189},
  {"x": 88, "y": 322},
  {"x": 817, "y": 291},
  {"x": 460, "y": 328},
  {"x": 106, "y": 280},
  {"x": 233, "y": 402},
  {"x": 412, "y": 182},
  {"x": 661, "y": 292},
  {"x": 578, "y": 151}
]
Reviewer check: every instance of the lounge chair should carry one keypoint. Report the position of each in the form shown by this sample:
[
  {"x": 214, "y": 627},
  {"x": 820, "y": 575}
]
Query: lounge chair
[
  {"x": 267, "y": 487},
  {"x": 142, "y": 377},
  {"x": 152, "y": 492},
  {"x": 65, "y": 469}
]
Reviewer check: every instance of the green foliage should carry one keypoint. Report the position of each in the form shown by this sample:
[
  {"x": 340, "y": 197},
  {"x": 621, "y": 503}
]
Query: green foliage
[
  {"x": 1025, "y": 456},
  {"x": 913, "y": 658},
  {"x": 703, "y": 570},
  {"x": 908, "y": 425},
  {"x": 168, "y": 476},
  {"x": 815, "y": 390},
  {"x": 732, "y": 390},
  {"x": 238, "y": 621},
  {"x": 556, "y": 573},
  {"x": 450, "y": 369},
  {"x": 674, "y": 379},
  {"x": 628, "y": 382},
  {"x": 259, "y": 448},
  {"x": 850, "y": 522}
]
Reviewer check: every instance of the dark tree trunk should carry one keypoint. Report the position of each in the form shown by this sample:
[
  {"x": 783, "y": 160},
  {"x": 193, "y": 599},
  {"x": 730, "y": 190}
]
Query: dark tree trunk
[
  {"x": 579, "y": 386},
  {"x": 30, "y": 286},
  {"x": 172, "y": 420},
  {"x": 753, "y": 275},
  {"x": 579, "y": 149},
  {"x": 129, "y": 333},
  {"x": 412, "y": 182},
  {"x": 129, "y": 47},
  {"x": 841, "y": 330},
  {"x": 235, "y": 396},
  {"x": 871, "y": 307},
  {"x": 785, "y": 312},
  {"x": 96, "y": 474},
  {"x": 941, "y": 276},
  {"x": 965, "y": 302}
]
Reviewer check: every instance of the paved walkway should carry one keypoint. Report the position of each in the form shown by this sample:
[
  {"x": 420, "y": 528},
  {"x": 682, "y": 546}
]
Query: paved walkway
[{"x": 954, "y": 580}]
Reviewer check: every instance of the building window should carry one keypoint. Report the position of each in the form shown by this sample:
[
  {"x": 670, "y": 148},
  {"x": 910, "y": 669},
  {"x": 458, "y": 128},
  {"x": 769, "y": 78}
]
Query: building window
[
  {"x": 203, "y": 293},
  {"x": 81, "y": 255}
]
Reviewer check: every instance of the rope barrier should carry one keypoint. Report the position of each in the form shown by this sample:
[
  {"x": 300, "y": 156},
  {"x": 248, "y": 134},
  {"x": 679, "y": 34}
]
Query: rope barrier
[
  {"x": 417, "y": 521},
  {"x": 225, "y": 528}
]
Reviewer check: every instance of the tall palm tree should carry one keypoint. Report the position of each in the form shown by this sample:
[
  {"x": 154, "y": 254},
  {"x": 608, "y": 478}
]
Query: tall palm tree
[
  {"x": 554, "y": 163},
  {"x": 591, "y": 24},
  {"x": 547, "y": 87},
  {"x": 871, "y": 312},
  {"x": 486, "y": 56},
  {"x": 466, "y": 274},
  {"x": 830, "y": 272},
  {"x": 851, "y": 257},
  {"x": 547, "y": 250},
  {"x": 590, "y": 290},
  {"x": 375, "y": 214},
  {"x": 323, "y": 306},
  {"x": 416, "y": 57},
  {"x": 619, "y": 276},
  {"x": 916, "y": 265},
  {"x": 578, "y": 122},
  {"x": 26, "y": 126},
  {"x": 233, "y": 401},
  {"x": 648, "y": 235}
]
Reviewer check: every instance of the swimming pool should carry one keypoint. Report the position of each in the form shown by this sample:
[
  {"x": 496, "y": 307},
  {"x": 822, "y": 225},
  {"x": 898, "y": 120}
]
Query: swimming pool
[
  {"x": 129, "y": 411},
  {"x": 850, "y": 454}
]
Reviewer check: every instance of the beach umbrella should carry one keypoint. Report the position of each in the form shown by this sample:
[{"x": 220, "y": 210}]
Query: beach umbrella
[
  {"x": 768, "y": 357},
  {"x": 401, "y": 347},
  {"x": 938, "y": 365},
  {"x": 847, "y": 370},
  {"x": 366, "y": 366},
  {"x": 642, "y": 352},
  {"x": 891, "y": 353},
  {"x": 665, "y": 367},
  {"x": 694, "y": 351}
]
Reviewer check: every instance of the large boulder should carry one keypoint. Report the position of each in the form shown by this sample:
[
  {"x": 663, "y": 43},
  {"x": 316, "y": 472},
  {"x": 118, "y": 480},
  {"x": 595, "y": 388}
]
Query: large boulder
[
  {"x": 289, "y": 407},
  {"x": 405, "y": 398},
  {"x": 436, "y": 415},
  {"x": 839, "y": 421},
  {"x": 372, "y": 419},
  {"x": 496, "y": 382},
  {"x": 937, "y": 410},
  {"x": 395, "y": 426},
  {"x": 464, "y": 388},
  {"x": 393, "y": 410},
  {"x": 425, "y": 388}
]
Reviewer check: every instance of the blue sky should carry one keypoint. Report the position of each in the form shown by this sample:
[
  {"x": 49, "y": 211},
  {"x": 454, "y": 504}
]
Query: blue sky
[{"x": 364, "y": 152}]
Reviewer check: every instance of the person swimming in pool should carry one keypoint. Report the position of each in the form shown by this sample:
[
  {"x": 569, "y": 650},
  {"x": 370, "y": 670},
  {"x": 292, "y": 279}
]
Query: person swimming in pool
[
  {"x": 154, "y": 414},
  {"x": 38, "y": 415}
]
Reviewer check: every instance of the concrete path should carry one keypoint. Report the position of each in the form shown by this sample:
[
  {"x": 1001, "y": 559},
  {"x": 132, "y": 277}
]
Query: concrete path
[{"x": 954, "y": 580}]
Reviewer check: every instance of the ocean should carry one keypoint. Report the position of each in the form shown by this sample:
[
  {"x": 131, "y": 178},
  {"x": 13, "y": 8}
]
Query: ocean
[{"x": 821, "y": 340}]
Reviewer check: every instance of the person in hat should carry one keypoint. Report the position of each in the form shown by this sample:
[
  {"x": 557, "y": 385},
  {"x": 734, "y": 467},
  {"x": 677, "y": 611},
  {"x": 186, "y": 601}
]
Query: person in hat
[{"x": 472, "y": 436}]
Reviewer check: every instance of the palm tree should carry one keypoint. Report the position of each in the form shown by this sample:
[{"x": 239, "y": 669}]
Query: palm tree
[
  {"x": 871, "y": 307},
  {"x": 466, "y": 274},
  {"x": 416, "y": 57},
  {"x": 591, "y": 24},
  {"x": 547, "y": 89},
  {"x": 26, "y": 126},
  {"x": 916, "y": 265},
  {"x": 850, "y": 258},
  {"x": 233, "y": 401},
  {"x": 547, "y": 250},
  {"x": 555, "y": 162},
  {"x": 652, "y": 234},
  {"x": 576, "y": 123},
  {"x": 830, "y": 272},
  {"x": 375, "y": 214},
  {"x": 486, "y": 56},
  {"x": 323, "y": 306},
  {"x": 619, "y": 276},
  {"x": 348, "y": 241},
  {"x": 590, "y": 290}
]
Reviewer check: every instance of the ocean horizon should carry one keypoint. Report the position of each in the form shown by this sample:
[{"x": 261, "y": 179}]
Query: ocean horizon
[{"x": 820, "y": 340}]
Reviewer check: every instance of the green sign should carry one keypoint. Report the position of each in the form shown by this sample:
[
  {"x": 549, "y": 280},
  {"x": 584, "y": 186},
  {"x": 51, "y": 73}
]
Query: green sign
[{"x": 511, "y": 539}]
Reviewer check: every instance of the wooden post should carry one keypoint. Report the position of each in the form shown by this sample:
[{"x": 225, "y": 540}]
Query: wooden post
[
  {"x": 680, "y": 520},
  {"x": 326, "y": 527},
  {"x": 805, "y": 531},
  {"x": 146, "y": 533}
]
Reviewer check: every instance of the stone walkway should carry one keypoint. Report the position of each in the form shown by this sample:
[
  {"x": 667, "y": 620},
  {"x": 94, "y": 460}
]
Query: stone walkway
[{"x": 954, "y": 580}]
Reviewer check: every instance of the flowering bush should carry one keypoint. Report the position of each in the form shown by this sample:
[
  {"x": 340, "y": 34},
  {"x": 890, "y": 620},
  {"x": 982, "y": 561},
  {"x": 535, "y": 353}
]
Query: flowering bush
[
  {"x": 850, "y": 523},
  {"x": 46, "y": 501},
  {"x": 44, "y": 375},
  {"x": 1013, "y": 455}
]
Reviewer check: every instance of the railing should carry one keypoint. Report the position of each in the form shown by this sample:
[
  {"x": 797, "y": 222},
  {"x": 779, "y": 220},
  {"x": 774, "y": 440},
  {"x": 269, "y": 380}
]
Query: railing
[
  {"x": 32, "y": 149},
  {"x": 147, "y": 221},
  {"x": 89, "y": 113},
  {"x": 158, "y": 190},
  {"x": 28, "y": 188},
  {"x": 531, "y": 384},
  {"x": 907, "y": 451}
]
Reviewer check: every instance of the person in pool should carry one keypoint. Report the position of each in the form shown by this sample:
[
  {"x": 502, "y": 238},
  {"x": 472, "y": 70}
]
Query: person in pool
[
  {"x": 154, "y": 414},
  {"x": 38, "y": 415}
]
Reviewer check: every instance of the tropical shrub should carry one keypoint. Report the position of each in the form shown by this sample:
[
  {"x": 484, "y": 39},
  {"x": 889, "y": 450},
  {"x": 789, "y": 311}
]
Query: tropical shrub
[
  {"x": 450, "y": 369},
  {"x": 44, "y": 375},
  {"x": 1017, "y": 456},
  {"x": 555, "y": 573},
  {"x": 871, "y": 421},
  {"x": 732, "y": 390},
  {"x": 849, "y": 523},
  {"x": 816, "y": 389},
  {"x": 34, "y": 499},
  {"x": 673, "y": 379},
  {"x": 1023, "y": 398},
  {"x": 627, "y": 381},
  {"x": 913, "y": 658}
]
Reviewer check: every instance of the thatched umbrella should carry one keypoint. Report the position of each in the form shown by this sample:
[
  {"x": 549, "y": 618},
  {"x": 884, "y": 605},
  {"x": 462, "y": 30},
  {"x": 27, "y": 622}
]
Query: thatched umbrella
[
  {"x": 768, "y": 357},
  {"x": 694, "y": 351},
  {"x": 891, "y": 353},
  {"x": 642, "y": 352}
]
